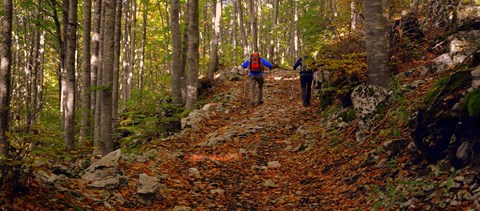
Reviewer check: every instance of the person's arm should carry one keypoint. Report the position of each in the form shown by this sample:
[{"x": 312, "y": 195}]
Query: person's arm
[
  {"x": 266, "y": 63},
  {"x": 245, "y": 64},
  {"x": 298, "y": 63}
]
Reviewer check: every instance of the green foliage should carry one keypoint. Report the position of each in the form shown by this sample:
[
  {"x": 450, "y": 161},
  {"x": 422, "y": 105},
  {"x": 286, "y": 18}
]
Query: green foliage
[
  {"x": 473, "y": 102},
  {"x": 348, "y": 115},
  {"x": 435, "y": 90}
]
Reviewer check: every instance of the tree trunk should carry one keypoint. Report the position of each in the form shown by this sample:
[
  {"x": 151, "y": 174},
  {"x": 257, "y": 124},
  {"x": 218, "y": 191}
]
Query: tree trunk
[
  {"x": 86, "y": 80},
  {"x": 132, "y": 49},
  {"x": 5, "y": 77},
  {"x": 127, "y": 43},
  {"x": 176, "y": 53},
  {"x": 241, "y": 24},
  {"x": 69, "y": 89},
  {"x": 94, "y": 65},
  {"x": 253, "y": 25},
  {"x": 234, "y": 29},
  {"x": 376, "y": 44},
  {"x": 98, "y": 93},
  {"x": 216, "y": 33},
  {"x": 193, "y": 56},
  {"x": 293, "y": 36},
  {"x": 273, "y": 40},
  {"x": 116, "y": 61},
  {"x": 144, "y": 40},
  {"x": 106, "y": 121}
]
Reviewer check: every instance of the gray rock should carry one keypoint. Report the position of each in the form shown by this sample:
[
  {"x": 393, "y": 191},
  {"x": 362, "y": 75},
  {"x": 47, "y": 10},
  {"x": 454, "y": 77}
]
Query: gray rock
[
  {"x": 274, "y": 164},
  {"x": 105, "y": 167},
  {"x": 365, "y": 99},
  {"x": 182, "y": 208},
  {"x": 212, "y": 107},
  {"x": 269, "y": 183},
  {"x": 193, "y": 172},
  {"x": 442, "y": 63},
  {"x": 107, "y": 183},
  {"x": 110, "y": 160},
  {"x": 193, "y": 119},
  {"x": 146, "y": 189},
  {"x": 217, "y": 191}
]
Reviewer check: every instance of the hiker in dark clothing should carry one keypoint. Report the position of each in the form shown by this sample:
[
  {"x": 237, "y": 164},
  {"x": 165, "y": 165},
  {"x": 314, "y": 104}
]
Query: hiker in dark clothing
[
  {"x": 306, "y": 77},
  {"x": 255, "y": 65}
]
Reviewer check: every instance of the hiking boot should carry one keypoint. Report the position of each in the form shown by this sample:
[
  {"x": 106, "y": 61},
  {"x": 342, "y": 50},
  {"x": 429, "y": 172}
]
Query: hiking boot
[
  {"x": 260, "y": 103},
  {"x": 252, "y": 104}
]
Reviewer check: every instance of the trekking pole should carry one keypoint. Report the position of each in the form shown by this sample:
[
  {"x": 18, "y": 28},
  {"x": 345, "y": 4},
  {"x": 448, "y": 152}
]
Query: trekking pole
[
  {"x": 293, "y": 82},
  {"x": 244, "y": 87}
]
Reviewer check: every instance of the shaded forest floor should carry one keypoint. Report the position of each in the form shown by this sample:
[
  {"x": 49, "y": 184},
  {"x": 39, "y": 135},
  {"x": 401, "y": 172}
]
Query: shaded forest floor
[{"x": 282, "y": 157}]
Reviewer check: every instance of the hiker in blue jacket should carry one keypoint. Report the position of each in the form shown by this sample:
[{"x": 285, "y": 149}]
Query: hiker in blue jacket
[
  {"x": 255, "y": 64},
  {"x": 306, "y": 77}
]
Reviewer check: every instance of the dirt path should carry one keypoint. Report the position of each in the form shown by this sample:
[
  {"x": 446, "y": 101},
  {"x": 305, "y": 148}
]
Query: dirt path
[{"x": 270, "y": 160}]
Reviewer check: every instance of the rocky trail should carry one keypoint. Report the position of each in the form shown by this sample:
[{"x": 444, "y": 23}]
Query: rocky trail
[
  {"x": 254, "y": 158},
  {"x": 231, "y": 157}
]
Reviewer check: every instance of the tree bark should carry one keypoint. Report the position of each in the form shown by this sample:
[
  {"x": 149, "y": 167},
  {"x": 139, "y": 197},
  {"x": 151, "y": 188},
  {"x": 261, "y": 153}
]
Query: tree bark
[
  {"x": 376, "y": 44},
  {"x": 5, "y": 77},
  {"x": 241, "y": 24},
  {"x": 69, "y": 89},
  {"x": 107, "y": 77},
  {"x": 116, "y": 61},
  {"x": 216, "y": 34},
  {"x": 193, "y": 56},
  {"x": 176, "y": 53},
  {"x": 86, "y": 80},
  {"x": 253, "y": 25},
  {"x": 144, "y": 40}
]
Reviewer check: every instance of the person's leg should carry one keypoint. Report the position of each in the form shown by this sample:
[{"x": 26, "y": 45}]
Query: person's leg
[
  {"x": 308, "y": 89},
  {"x": 303, "y": 84},
  {"x": 252, "y": 89},
  {"x": 260, "y": 81}
]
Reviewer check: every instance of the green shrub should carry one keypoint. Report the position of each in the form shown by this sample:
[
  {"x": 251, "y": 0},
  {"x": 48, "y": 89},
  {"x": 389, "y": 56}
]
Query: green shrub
[{"x": 473, "y": 102}]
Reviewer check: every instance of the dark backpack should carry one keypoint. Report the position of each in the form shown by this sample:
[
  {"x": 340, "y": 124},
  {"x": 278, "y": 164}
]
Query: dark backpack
[{"x": 256, "y": 65}]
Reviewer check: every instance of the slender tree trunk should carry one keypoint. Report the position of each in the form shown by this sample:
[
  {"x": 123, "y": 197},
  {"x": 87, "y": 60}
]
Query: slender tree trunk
[
  {"x": 216, "y": 33},
  {"x": 97, "y": 126},
  {"x": 107, "y": 77},
  {"x": 144, "y": 40},
  {"x": 253, "y": 25},
  {"x": 241, "y": 24},
  {"x": 176, "y": 53},
  {"x": 69, "y": 89},
  {"x": 294, "y": 37},
  {"x": 5, "y": 78},
  {"x": 234, "y": 29},
  {"x": 116, "y": 61},
  {"x": 273, "y": 40},
  {"x": 86, "y": 80},
  {"x": 193, "y": 56},
  {"x": 376, "y": 44},
  {"x": 132, "y": 49},
  {"x": 127, "y": 43},
  {"x": 94, "y": 65}
]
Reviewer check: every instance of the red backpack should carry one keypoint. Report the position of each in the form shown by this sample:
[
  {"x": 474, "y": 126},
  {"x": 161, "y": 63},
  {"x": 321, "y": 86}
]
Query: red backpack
[{"x": 256, "y": 65}]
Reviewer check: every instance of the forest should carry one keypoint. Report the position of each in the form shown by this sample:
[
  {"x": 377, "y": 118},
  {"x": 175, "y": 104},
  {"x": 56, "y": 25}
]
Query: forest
[{"x": 144, "y": 105}]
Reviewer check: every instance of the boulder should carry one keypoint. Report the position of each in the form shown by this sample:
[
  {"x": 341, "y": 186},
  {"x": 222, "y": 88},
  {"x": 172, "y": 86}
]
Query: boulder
[
  {"x": 442, "y": 63},
  {"x": 193, "y": 119},
  {"x": 107, "y": 166},
  {"x": 366, "y": 98},
  {"x": 147, "y": 188}
]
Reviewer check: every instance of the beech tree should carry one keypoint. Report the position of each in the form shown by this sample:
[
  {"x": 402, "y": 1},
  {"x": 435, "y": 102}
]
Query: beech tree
[
  {"x": 176, "y": 53},
  {"x": 107, "y": 77},
  {"x": 86, "y": 82},
  {"x": 68, "y": 77},
  {"x": 376, "y": 44},
  {"x": 5, "y": 77},
  {"x": 193, "y": 55},
  {"x": 216, "y": 36}
]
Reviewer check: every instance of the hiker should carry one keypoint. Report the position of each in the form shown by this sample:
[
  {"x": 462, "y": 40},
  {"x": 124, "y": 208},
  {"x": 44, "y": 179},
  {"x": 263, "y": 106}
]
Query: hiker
[
  {"x": 306, "y": 77},
  {"x": 255, "y": 64}
]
